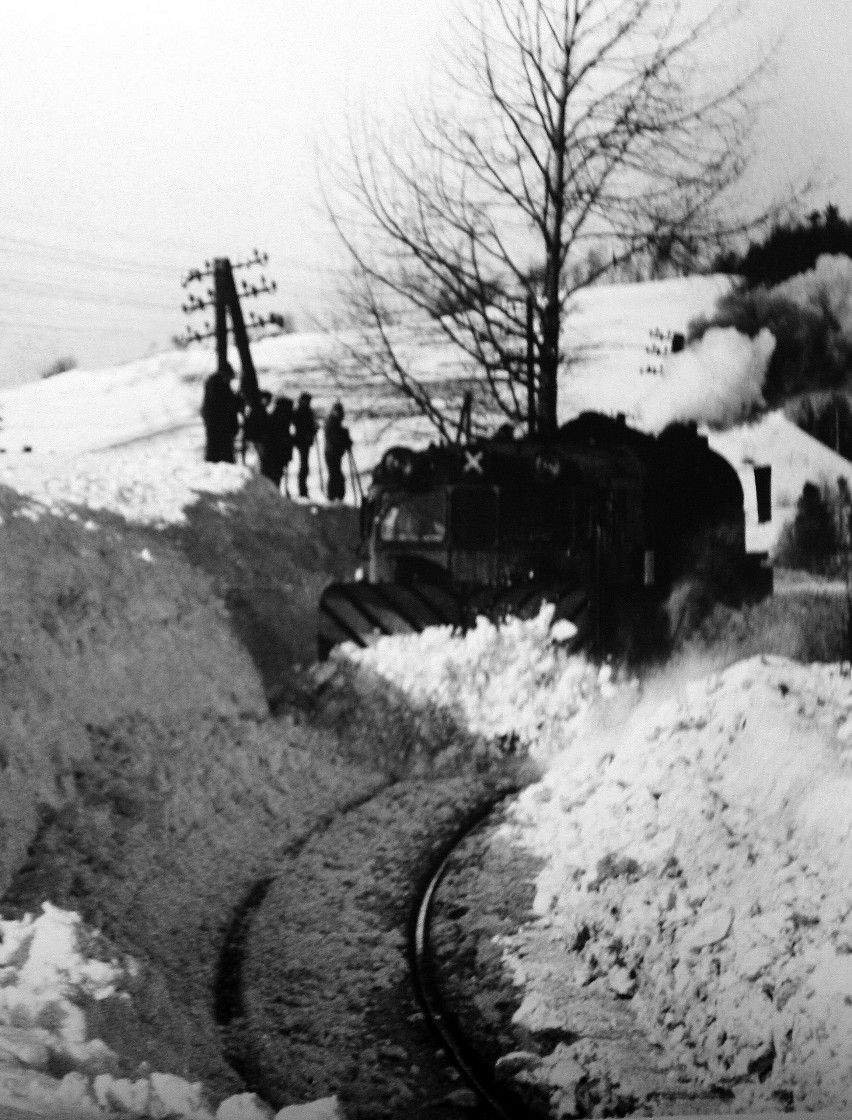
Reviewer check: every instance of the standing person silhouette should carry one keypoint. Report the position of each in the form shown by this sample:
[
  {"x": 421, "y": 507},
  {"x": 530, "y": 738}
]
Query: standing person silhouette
[
  {"x": 276, "y": 452},
  {"x": 220, "y": 411},
  {"x": 256, "y": 423},
  {"x": 337, "y": 443},
  {"x": 304, "y": 434}
]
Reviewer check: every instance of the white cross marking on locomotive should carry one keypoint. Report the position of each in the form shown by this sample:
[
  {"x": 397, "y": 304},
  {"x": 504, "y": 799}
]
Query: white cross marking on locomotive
[{"x": 473, "y": 462}]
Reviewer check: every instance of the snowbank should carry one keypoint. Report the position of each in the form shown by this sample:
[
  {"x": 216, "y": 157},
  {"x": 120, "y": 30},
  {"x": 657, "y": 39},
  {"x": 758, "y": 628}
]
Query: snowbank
[
  {"x": 46, "y": 973},
  {"x": 698, "y": 867},
  {"x": 511, "y": 684},
  {"x": 696, "y": 892},
  {"x": 141, "y": 486}
]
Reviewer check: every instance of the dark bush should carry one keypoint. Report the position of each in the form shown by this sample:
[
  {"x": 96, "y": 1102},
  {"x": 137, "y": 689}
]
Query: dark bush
[
  {"x": 812, "y": 541},
  {"x": 61, "y": 365},
  {"x": 825, "y": 416},
  {"x": 791, "y": 248}
]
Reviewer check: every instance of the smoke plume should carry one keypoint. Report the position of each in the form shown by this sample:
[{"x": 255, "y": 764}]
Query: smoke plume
[{"x": 717, "y": 381}]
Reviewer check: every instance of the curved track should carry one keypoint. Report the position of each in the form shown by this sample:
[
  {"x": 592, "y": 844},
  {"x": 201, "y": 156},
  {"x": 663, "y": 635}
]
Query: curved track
[
  {"x": 308, "y": 999},
  {"x": 424, "y": 978}
]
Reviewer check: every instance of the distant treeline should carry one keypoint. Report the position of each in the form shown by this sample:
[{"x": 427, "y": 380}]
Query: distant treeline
[{"x": 790, "y": 248}]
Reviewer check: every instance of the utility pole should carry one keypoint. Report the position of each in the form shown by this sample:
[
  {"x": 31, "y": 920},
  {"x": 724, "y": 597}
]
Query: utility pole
[
  {"x": 219, "y": 287},
  {"x": 248, "y": 381},
  {"x": 224, "y": 298}
]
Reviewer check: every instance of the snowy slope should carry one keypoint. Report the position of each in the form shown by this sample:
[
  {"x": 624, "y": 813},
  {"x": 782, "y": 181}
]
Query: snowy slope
[{"x": 147, "y": 410}]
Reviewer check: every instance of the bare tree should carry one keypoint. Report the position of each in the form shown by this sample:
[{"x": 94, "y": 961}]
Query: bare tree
[{"x": 574, "y": 137}]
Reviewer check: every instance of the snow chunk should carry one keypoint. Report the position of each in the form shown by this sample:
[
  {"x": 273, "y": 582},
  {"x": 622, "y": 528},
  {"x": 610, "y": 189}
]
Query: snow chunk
[
  {"x": 244, "y": 1106},
  {"x": 710, "y": 929},
  {"x": 563, "y": 630},
  {"x": 326, "y": 1108}
]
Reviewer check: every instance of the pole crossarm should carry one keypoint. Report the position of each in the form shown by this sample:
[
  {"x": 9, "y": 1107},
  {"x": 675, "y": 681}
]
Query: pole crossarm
[{"x": 224, "y": 297}]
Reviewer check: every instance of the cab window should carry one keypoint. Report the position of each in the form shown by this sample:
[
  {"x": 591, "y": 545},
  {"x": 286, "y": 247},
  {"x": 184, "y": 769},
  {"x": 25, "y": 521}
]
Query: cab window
[{"x": 420, "y": 517}]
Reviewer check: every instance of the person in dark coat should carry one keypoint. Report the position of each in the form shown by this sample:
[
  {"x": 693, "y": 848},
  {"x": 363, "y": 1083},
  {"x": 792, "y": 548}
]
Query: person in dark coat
[
  {"x": 338, "y": 443},
  {"x": 277, "y": 449},
  {"x": 304, "y": 434},
  {"x": 220, "y": 411},
  {"x": 256, "y": 423}
]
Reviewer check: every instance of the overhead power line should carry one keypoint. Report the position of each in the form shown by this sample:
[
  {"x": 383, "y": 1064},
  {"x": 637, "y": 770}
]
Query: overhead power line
[
  {"x": 20, "y": 325},
  {"x": 22, "y": 247},
  {"x": 59, "y": 292},
  {"x": 97, "y": 229},
  {"x": 64, "y": 252}
]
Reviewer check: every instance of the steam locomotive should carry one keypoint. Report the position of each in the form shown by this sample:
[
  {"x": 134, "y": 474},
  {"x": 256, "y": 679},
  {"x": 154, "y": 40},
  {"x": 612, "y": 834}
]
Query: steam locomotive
[{"x": 602, "y": 521}]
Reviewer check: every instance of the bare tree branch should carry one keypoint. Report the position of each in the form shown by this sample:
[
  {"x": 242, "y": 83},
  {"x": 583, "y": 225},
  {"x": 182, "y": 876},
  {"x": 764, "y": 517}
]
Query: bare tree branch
[{"x": 578, "y": 136}]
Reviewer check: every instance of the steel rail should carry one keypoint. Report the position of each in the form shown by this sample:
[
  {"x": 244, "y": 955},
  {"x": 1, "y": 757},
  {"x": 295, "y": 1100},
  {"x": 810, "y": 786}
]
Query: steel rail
[{"x": 424, "y": 981}]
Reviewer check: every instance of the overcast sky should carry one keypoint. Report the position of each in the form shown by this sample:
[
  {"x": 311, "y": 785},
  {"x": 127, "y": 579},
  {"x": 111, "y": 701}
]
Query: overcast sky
[{"x": 140, "y": 138}]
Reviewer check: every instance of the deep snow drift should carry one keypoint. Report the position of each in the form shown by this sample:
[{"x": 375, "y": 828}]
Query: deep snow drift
[
  {"x": 48, "y": 964},
  {"x": 732, "y": 947},
  {"x": 697, "y": 864}
]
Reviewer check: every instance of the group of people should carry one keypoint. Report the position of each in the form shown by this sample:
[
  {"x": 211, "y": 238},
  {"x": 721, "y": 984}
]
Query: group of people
[{"x": 275, "y": 429}]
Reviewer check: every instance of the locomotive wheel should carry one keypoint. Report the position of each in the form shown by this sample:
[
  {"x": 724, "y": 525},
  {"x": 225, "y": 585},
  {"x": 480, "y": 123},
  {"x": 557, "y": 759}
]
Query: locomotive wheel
[{"x": 363, "y": 612}]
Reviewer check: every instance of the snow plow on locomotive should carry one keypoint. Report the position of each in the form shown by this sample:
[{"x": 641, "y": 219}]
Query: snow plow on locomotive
[{"x": 602, "y": 522}]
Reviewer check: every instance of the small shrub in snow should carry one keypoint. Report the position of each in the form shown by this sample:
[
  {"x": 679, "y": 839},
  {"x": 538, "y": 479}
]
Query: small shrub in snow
[
  {"x": 825, "y": 416},
  {"x": 61, "y": 365},
  {"x": 811, "y": 541}
]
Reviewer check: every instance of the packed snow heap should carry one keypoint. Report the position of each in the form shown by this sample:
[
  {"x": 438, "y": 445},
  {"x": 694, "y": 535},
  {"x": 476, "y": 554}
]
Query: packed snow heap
[
  {"x": 697, "y": 867},
  {"x": 50, "y": 964}
]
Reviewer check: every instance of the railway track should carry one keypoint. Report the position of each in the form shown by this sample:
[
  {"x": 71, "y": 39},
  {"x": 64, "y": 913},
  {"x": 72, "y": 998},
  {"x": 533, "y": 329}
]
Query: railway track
[
  {"x": 495, "y": 1101},
  {"x": 328, "y": 984}
]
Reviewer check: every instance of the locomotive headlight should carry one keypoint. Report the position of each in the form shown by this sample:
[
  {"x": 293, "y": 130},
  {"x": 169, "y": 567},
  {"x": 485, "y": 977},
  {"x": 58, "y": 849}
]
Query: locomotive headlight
[{"x": 398, "y": 464}]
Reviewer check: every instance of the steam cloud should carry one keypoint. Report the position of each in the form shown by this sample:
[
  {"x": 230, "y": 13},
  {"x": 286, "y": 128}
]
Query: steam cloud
[{"x": 717, "y": 381}]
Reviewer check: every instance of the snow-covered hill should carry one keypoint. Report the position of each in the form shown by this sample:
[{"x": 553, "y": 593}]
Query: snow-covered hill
[{"x": 116, "y": 438}]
